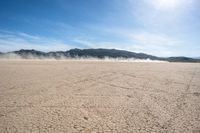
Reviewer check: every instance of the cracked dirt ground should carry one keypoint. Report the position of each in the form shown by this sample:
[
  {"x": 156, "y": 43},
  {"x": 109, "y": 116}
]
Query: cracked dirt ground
[{"x": 84, "y": 96}]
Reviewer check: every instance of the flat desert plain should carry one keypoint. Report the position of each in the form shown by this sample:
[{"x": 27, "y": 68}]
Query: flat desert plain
[{"x": 99, "y": 96}]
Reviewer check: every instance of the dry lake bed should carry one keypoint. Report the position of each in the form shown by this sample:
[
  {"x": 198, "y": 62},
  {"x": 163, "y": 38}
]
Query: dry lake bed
[{"x": 99, "y": 96}]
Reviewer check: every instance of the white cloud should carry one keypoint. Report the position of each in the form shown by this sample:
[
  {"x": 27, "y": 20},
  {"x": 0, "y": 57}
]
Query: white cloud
[
  {"x": 157, "y": 39},
  {"x": 145, "y": 42},
  {"x": 154, "y": 43},
  {"x": 15, "y": 41},
  {"x": 25, "y": 35}
]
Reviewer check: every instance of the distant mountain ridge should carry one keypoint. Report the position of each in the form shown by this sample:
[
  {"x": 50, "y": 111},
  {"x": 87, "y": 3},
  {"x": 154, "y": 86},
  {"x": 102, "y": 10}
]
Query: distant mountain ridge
[
  {"x": 196, "y": 57},
  {"x": 94, "y": 53}
]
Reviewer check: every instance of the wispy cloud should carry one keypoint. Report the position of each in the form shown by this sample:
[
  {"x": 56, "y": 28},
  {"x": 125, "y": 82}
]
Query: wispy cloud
[
  {"x": 156, "y": 43},
  {"x": 157, "y": 39},
  {"x": 28, "y": 36},
  {"x": 138, "y": 42},
  {"x": 10, "y": 41}
]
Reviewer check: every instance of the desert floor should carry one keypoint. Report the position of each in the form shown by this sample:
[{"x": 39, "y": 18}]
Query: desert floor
[{"x": 99, "y": 96}]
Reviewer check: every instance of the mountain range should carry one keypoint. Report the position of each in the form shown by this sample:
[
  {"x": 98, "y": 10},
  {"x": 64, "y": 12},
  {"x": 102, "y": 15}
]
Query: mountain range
[{"x": 93, "y": 53}]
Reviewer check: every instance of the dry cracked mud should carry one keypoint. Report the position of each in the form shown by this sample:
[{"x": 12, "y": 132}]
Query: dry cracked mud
[{"x": 98, "y": 96}]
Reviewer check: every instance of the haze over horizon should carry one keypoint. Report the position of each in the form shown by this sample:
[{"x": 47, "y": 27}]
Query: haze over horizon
[{"x": 156, "y": 27}]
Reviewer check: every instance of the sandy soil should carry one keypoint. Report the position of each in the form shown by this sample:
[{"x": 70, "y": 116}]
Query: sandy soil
[{"x": 89, "y": 96}]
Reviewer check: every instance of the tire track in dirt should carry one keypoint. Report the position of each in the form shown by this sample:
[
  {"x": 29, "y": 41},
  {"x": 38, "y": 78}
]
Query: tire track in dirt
[
  {"x": 179, "y": 106},
  {"x": 101, "y": 101}
]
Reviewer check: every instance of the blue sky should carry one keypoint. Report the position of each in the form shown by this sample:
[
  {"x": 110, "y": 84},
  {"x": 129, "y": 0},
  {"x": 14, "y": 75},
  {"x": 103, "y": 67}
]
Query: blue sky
[{"x": 157, "y": 27}]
